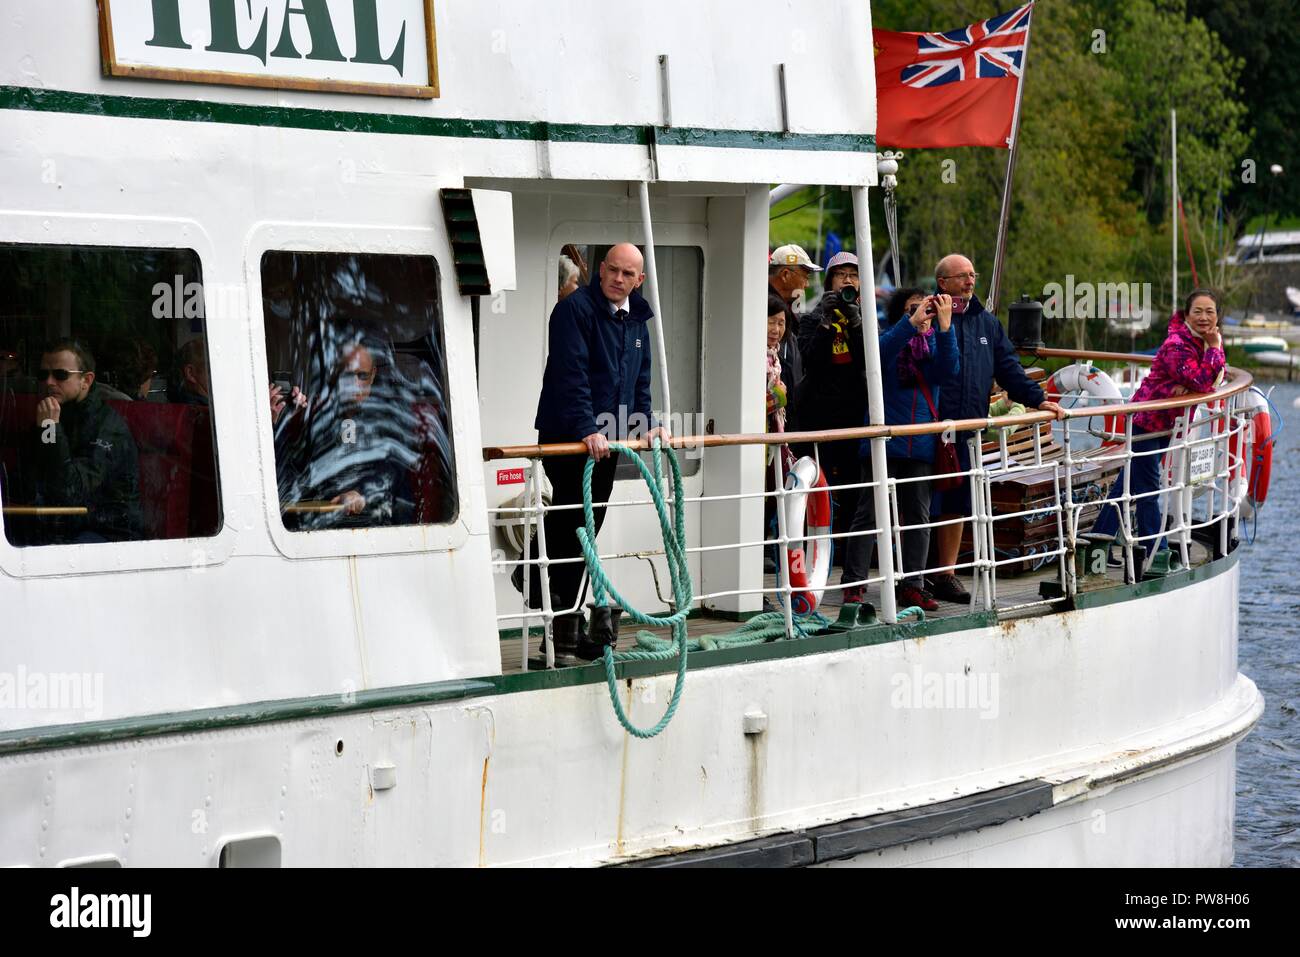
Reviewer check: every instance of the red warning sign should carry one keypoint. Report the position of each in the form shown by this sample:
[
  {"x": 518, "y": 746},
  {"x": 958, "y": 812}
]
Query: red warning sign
[{"x": 510, "y": 476}]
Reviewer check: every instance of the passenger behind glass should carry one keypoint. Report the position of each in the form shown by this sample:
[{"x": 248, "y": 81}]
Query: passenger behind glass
[
  {"x": 81, "y": 454},
  {"x": 133, "y": 365},
  {"x": 191, "y": 377},
  {"x": 345, "y": 459}
]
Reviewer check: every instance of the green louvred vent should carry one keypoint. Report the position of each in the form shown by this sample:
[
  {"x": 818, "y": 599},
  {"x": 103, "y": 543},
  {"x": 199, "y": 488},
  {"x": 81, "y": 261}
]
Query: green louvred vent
[{"x": 466, "y": 242}]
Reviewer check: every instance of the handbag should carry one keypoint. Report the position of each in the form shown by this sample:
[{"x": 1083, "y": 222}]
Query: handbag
[{"x": 946, "y": 463}]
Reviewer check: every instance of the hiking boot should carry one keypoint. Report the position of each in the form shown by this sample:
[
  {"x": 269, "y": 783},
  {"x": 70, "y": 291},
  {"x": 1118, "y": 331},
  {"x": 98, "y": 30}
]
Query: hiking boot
[
  {"x": 948, "y": 588},
  {"x": 855, "y": 595},
  {"x": 908, "y": 595}
]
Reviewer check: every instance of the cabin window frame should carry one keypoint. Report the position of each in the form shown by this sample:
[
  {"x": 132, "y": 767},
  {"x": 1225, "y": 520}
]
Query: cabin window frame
[
  {"x": 458, "y": 347},
  {"x": 198, "y": 554}
]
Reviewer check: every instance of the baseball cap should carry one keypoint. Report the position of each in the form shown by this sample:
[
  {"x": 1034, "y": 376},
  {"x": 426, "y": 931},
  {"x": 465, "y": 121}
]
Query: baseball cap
[
  {"x": 792, "y": 255},
  {"x": 842, "y": 259}
]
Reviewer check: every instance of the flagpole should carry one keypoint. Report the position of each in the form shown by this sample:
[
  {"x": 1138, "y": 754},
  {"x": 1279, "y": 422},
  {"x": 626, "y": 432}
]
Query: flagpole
[
  {"x": 1173, "y": 152},
  {"x": 1005, "y": 215}
]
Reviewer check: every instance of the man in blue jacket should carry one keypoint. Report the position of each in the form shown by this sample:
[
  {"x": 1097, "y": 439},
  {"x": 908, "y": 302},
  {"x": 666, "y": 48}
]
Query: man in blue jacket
[
  {"x": 596, "y": 387},
  {"x": 986, "y": 355}
]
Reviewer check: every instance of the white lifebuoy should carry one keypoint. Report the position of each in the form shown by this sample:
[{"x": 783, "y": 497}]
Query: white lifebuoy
[
  {"x": 1084, "y": 377},
  {"x": 807, "y": 513}
]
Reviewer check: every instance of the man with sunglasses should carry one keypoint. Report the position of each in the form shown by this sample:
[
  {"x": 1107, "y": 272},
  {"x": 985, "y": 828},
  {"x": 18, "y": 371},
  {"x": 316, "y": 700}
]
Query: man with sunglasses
[
  {"x": 82, "y": 455},
  {"x": 987, "y": 355}
]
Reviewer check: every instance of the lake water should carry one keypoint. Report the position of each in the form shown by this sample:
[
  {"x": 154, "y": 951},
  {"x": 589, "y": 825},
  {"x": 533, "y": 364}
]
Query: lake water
[{"x": 1268, "y": 760}]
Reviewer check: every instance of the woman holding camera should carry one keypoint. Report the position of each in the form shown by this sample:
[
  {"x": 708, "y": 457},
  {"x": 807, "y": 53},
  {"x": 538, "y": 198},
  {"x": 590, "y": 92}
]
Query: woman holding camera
[{"x": 918, "y": 356}]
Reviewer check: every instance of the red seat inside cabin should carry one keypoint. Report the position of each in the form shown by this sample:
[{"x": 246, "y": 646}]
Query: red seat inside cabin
[{"x": 177, "y": 468}]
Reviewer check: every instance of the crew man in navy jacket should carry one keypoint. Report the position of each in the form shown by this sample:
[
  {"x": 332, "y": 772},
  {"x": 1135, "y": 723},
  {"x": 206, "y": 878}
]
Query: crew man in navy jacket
[
  {"x": 986, "y": 355},
  {"x": 596, "y": 387}
]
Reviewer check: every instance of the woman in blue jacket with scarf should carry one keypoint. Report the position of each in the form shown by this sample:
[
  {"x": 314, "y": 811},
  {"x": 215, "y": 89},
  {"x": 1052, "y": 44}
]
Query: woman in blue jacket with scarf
[{"x": 918, "y": 356}]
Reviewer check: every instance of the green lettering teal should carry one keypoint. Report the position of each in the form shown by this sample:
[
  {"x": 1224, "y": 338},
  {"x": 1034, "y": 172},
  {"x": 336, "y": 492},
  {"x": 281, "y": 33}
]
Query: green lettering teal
[
  {"x": 324, "y": 45},
  {"x": 366, "y": 19},
  {"x": 167, "y": 26},
  {"x": 225, "y": 38}
]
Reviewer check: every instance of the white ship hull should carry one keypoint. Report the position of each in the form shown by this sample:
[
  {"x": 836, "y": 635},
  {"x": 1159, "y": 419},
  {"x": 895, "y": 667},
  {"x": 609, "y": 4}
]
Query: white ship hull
[{"x": 1119, "y": 720}]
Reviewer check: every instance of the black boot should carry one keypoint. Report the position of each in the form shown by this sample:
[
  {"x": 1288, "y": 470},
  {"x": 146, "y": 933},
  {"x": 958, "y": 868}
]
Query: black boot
[
  {"x": 604, "y": 631},
  {"x": 568, "y": 632}
]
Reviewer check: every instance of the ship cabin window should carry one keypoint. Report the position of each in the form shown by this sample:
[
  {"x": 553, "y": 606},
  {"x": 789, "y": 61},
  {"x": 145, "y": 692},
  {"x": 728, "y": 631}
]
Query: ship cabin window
[
  {"x": 106, "y": 429},
  {"x": 357, "y": 386},
  {"x": 681, "y": 297}
]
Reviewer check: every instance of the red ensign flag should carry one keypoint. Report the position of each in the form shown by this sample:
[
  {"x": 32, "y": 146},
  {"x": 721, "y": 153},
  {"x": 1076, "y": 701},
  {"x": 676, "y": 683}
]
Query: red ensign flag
[{"x": 950, "y": 89}]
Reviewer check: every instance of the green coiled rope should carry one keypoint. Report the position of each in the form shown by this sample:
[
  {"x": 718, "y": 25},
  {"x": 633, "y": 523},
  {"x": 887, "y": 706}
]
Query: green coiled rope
[{"x": 650, "y": 647}]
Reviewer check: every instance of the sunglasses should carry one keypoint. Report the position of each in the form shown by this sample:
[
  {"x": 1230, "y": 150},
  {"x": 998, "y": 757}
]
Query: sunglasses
[{"x": 60, "y": 375}]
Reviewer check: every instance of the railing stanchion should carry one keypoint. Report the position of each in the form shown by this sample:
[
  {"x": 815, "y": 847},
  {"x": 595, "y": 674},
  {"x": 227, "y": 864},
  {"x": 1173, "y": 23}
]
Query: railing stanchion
[
  {"x": 530, "y": 518},
  {"x": 981, "y": 540},
  {"x": 1066, "y": 559},
  {"x": 1067, "y": 503},
  {"x": 783, "y": 562},
  {"x": 1179, "y": 478},
  {"x": 896, "y": 520},
  {"x": 548, "y": 613},
  {"x": 1125, "y": 524}
]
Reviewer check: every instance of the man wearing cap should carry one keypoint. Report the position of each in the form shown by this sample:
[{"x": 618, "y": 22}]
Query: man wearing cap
[
  {"x": 788, "y": 272},
  {"x": 835, "y": 387},
  {"x": 986, "y": 354}
]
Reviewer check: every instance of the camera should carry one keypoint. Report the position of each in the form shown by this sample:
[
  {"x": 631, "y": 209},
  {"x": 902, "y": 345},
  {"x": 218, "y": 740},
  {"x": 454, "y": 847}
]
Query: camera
[{"x": 848, "y": 295}]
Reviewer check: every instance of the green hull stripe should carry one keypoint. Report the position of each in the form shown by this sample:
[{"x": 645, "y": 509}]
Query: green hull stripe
[
  {"x": 214, "y": 719},
  {"x": 347, "y": 121}
]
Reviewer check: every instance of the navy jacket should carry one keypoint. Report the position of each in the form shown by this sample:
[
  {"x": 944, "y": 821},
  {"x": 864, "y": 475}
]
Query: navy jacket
[
  {"x": 93, "y": 462},
  {"x": 595, "y": 366},
  {"x": 906, "y": 405},
  {"x": 986, "y": 354}
]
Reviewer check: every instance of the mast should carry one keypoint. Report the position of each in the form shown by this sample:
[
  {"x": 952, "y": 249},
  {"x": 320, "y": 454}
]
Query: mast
[{"x": 1173, "y": 208}]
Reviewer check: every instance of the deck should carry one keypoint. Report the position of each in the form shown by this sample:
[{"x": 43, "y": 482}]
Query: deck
[{"x": 1017, "y": 596}]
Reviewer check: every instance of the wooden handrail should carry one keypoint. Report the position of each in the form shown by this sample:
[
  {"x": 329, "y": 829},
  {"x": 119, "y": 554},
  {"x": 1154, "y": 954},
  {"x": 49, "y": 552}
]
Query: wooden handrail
[
  {"x": 1045, "y": 353},
  {"x": 1237, "y": 380}
]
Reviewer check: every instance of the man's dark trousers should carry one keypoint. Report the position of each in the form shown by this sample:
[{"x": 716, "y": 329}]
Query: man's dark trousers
[{"x": 565, "y": 475}]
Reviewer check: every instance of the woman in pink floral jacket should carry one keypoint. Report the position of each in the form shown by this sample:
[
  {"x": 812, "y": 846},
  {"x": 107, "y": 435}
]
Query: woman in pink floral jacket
[{"x": 1191, "y": 360}]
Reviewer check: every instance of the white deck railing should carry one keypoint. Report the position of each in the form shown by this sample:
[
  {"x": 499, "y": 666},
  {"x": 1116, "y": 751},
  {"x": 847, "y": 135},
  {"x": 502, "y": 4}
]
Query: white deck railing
[{"x": 1079, "y": 447}]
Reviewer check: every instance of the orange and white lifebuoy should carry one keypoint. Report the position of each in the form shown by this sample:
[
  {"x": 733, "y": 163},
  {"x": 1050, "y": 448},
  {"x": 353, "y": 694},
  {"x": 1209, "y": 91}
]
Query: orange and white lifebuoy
[
  {"x": 808, "y": 513},
  {"x": 1083, "y": 377},
  {"x": 1261, "y": 448},
  {"x": 1250, "y": 447}
]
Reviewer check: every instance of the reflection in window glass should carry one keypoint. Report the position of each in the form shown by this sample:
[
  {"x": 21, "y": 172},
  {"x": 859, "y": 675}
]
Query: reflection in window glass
[
  {"x": 362, "y": 426},
  {"x": 106, "y": 429},
  {"x": 681, "y": 296}
]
